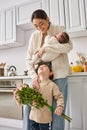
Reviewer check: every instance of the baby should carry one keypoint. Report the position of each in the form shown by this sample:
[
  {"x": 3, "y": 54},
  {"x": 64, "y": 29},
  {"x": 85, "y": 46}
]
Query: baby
[{"x": 61, "y": 38}]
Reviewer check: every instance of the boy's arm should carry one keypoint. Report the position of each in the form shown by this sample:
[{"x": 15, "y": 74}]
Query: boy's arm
[{"x": 59, "y": 99}]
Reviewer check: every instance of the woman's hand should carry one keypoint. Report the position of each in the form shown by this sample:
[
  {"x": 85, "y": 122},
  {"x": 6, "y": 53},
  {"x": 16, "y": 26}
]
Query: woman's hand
[
  {"x": 58, "y": 110},
  {"x": 36, "y": 82}
]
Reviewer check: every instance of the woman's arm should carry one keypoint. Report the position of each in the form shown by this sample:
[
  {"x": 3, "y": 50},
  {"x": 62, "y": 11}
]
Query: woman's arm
[{"x": 32, "y": 47}]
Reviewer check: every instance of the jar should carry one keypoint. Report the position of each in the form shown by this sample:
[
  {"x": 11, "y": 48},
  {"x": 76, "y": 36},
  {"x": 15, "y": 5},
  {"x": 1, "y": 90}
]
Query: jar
[
  {"x": 1, "y": 71},
  {"x": 85, "y": 67}
]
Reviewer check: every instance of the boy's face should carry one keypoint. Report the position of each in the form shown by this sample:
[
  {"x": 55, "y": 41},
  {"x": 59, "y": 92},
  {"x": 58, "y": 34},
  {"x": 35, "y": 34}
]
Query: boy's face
[{"x": 44, "y": 70}]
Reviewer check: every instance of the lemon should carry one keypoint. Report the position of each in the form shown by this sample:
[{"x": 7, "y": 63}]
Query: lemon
[{"x": 77, "y": 68}]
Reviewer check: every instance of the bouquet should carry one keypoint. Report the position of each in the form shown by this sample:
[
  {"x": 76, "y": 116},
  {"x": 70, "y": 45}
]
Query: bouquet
[{"x": 30, "y": 96}]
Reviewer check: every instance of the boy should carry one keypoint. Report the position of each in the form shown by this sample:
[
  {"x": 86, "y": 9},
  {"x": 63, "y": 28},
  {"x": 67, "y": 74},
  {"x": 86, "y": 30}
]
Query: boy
[{"x": 40, "y": 118}]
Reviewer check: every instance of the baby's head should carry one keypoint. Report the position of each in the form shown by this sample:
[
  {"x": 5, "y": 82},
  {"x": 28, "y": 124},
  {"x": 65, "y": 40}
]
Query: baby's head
[
  {"x": 62, "y": 37},
  {"x": 48, "y": 65}
]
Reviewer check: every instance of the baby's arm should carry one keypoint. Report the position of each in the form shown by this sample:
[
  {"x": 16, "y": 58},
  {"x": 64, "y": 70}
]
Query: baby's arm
[
  {"x": 41, "y": 52},
  {"x": 47, "y": 55}
]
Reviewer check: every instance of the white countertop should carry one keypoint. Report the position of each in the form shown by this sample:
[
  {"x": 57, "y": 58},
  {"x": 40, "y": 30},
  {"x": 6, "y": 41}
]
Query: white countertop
[
  {"x": 78, "y": 74},
  {"x": 14, "y": 77},
  {"x": 27, "y": 77}
]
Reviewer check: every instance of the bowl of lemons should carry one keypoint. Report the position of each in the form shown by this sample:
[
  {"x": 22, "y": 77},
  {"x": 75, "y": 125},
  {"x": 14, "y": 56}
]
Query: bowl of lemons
[{"x": 76, "y": 68}]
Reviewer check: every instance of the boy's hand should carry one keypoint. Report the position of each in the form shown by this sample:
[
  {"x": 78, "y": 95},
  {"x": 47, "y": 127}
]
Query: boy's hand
[{"x": 58, "y": 110}]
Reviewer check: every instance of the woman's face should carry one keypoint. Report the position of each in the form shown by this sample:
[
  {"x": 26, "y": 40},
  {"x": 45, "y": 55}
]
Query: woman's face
[{"x": 41, "y": 24}]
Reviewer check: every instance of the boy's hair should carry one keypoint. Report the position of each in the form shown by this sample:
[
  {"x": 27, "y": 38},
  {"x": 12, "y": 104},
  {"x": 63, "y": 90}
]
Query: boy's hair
[{"x": 49, "y": 66}]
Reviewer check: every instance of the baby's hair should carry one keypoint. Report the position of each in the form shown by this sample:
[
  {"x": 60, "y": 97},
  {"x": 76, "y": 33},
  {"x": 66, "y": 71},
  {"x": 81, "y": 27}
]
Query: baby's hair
[
  {"x": 49, "y": 66},
  {"x": 65, "y": 37}
]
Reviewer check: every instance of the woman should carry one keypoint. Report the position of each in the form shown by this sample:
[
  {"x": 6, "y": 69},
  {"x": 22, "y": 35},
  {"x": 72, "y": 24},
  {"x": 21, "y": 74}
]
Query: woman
[{"x": 60, "y": 64}]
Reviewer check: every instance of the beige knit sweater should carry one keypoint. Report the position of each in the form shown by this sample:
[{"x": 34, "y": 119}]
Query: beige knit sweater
[
  {"x": 60, "y": 65},
  {"x": 49, "y": 90}
]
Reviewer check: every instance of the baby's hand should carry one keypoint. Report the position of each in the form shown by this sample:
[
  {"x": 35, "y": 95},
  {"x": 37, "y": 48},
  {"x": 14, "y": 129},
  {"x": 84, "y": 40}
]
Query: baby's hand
[
  {"x": 40, "y": 52},
  {"x": 58, "y": 110}
]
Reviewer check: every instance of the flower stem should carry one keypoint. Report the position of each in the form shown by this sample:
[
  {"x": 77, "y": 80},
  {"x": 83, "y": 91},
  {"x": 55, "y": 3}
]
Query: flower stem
[{"x": 63, "y": 115}]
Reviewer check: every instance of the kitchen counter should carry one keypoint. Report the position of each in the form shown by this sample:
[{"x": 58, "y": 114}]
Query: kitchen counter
[
  {"x": 27, "y": 77},
  {"x": 9, "y": 122},
  {"x": 14, "y": 77},
  {"x": 78, "y": 74}
]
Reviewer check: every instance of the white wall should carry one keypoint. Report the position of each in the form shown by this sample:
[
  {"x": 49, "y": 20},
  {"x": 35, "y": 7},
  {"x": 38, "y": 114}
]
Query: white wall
[
  {"x": 16, "y": 56},
  {"x": 79, "y": 45}
]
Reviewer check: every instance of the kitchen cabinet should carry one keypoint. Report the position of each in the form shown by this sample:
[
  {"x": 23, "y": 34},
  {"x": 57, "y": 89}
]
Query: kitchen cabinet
[
  {"x": 1, "y": 27},
  {"x": 25, "y": 10},
  {"x": 86, "y": 11},
  {"x": 8, "y": 30},
  {"x": 11, "y": 123},
  {"x": 76, "y": 21},
  {"x": 77, "y": 106},
  {"x": 70, "y": 13},
  {"x": 46, "y": 6},
  {"x": 24, "y": 13},
  {"x": 55, "y": 11}
]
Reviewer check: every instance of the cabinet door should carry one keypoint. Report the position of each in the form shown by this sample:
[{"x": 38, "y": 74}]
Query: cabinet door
[
  {"x": 57, "y": 12},
  {"x": 86, "y": 11},
  {"x": 84, "y": 103},
  {"x": 75, "y": 103},
  {"x": 2, "y": 30},
  {"x": 10, "y": 25},
  {"x": 25, "y": 11},
  {"x": 1, "y": 26},
  {"x": 75, "y": 15},
  {"x": 46, "y": 6}
]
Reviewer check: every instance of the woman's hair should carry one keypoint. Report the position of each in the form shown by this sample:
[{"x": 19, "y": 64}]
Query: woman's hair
[
  {"x": 49, "y": 66},
  {"x": 39, "y": 14}
]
